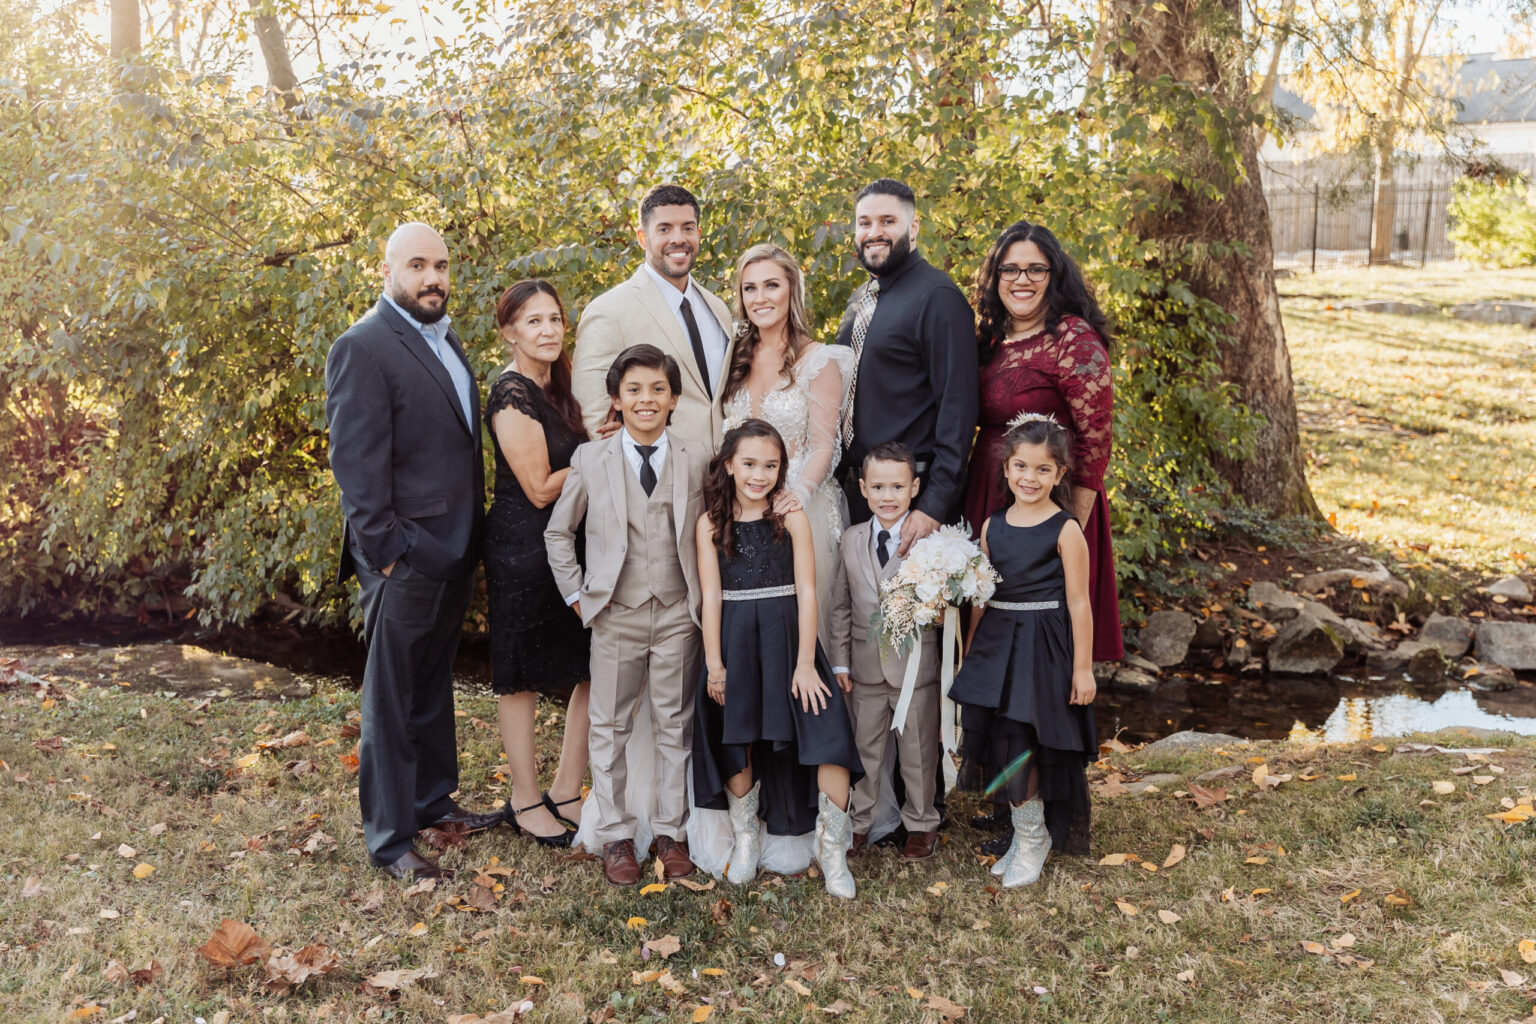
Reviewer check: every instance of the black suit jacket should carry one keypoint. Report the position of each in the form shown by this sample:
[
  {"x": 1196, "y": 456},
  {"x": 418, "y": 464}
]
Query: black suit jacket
[{"x": 410, "y": 468}]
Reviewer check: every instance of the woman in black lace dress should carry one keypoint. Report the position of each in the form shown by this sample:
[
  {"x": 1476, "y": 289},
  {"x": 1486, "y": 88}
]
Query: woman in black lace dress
[{"x": 538, "y": 645}]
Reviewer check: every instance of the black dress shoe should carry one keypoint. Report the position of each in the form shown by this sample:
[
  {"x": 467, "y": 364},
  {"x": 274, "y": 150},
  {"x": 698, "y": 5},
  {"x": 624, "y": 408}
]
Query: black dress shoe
[
  {"x": 416, "y": 867},
  {"x": 556, "y": 841},
  {"x": 469, "y": 820},
  {"x": 994, "y": 822},
  {"x": 998, "y": 845}
]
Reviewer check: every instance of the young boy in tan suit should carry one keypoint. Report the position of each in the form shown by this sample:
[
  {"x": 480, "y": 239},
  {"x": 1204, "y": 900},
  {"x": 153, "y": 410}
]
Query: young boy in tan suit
[
  {"x": 870, "y": 674},
  {"x": 640, "y": 493}
]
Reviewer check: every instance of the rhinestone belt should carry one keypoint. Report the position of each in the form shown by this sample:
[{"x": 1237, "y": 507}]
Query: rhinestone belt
[
  {"x": 1024, "y": 606},
  {"x": 787, "y": 590}
]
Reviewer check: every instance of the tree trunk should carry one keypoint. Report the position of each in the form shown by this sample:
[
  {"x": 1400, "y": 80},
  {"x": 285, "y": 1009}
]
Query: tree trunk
[
  {"x": 125, "y": 28},
  {"x": 1199, "y": 45},
  {"x": 274, "y": 51},
  {"x": 1266, "y": 94},
  {"x": 1383, "y": 204}
]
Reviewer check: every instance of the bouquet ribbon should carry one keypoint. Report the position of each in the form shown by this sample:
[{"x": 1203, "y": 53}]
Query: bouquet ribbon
[{"x": 947, "y": 656}]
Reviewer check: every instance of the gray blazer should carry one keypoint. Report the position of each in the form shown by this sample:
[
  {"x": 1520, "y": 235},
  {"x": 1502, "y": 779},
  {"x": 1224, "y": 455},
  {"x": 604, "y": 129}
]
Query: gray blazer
[
  {"x": 410, "y": 468},
  {"x": 595, "y": 489},
  {"x": 855, "y": 599}
]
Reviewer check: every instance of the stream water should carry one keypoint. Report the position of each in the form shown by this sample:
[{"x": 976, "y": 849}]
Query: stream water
[{"x": 1342, "y": 707}]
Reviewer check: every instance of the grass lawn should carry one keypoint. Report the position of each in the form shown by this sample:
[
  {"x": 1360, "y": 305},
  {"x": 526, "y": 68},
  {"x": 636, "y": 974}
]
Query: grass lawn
[
  {"x": 135, "y": 822},
  {"x": 1421, "y": 430}
]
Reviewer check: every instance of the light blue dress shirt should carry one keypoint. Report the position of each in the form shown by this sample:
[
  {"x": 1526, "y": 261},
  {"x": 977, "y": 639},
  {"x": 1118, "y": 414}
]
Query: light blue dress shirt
[{"x": 436, "y": 337}]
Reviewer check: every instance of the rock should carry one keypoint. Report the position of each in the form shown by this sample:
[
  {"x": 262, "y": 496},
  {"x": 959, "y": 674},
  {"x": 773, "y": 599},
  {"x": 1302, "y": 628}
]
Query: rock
[
  {"x": 1137, "y": 661},
  {"x": 1365, "y": 636},
  {"x": 1208, "y": 635},
  {"x": 1512, "y": 587},
  {"x": 1239, "y": 653},
  {"x": 1104, "y": 671},
  {"x": 1166, "y": 636},
  {"x": 1492, "y": 312},
  {"x": 1490, "y": 678},
  {"x": 1511, "y": 644},
  {"x": 1308, "y": 645},
  {"x": 1375, "y": 576},
  {"x": 1278, "y": 605},
  {"x": 1389, "y": 306},
  {"x": 1231, "y": 771},
  {"x": 1394, "y": 660},
  {"x": 1135, "y": 679},
  {"x": 1189, "y": 739},
  {"x": 1450, "y": 634},
  {"x": 1426, "y": 663},
  {"x": 1159, "y": 780}
]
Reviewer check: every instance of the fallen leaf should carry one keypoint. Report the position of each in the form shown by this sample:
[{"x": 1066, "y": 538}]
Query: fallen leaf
[
  {"x": 720, "y": 911},
  {"x": 419, "y": 928},
  {"x": 634, "y": 924},
  {"x": 1511, "y": 978},
  {"x": 292, "y": 970},
  {"x": 445, "y": 838},
  {"x": 1174, "y": 856},
  {"x": 481, "y": 899},
  {"x": 1443, "y": 788},
  {"x": 1168, "y": 917},
  {"x": 1206, "y": 797},
  {"x": 797, "y": 987},
  {"x": 607, "y": 956},
  {"x": 530, "y": 979},
  {"x": 425, "y": 885},
  {"x": 690, "y": 884},
  {"x": 1527, "y": 949},
  {"x": 701, "y": 1013},
  {"x": 646, "y": 890},
  {"x": 713, "y": 972},
  {"x": 143, "y": 870},
  {"x": 394, "y": 981},
  {"x": 1396, "y": 899},
  {"x": 644, "y": 977},
  {"x": 1349, "y": 895},
  {"x": 1128, "y": 909},
  {"x": 914, "y": 993},
  {"x": 318, "y": 842},
  {"x": 115, "y": 972},
  {"x": 233, "y": 943},
  {"x": 671, "y": 984},
  {"x": 1350, "y": 777},
  {"x": 1481, "y": 780},
  {"x": 664, "y": 946},
  {"x": 147, "y": 974},
  {"x": 127, "y": 852},
  {"x": 1188, "y": 975},
  {"x": 837, "y": 1009},
  {"x": 1261, "y": 892},
  {"x": 947, "y": 1009},
  {"x": 1257, "y": 860},
  {"x": 1112, "y": 860},
  {"x": 1314, "y": 947}
]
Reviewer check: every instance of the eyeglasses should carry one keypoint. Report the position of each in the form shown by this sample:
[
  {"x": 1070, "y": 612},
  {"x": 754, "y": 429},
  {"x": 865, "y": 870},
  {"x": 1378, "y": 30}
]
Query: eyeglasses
[{"x": 1035, "y": 273}]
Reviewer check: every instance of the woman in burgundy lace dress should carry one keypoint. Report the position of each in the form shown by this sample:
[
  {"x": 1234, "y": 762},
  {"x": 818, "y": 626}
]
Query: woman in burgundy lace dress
[{"x": 1045, "y": 348}]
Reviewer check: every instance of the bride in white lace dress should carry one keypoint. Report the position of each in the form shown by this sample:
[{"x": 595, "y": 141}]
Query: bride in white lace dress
[{"x": 779, "y": 374}]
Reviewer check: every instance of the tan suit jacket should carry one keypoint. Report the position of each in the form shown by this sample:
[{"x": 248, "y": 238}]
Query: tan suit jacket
[
  {"x": 855, "y": 599},
  {"x": 595, "y": 489},
  {"x": 633, "y": 313}
]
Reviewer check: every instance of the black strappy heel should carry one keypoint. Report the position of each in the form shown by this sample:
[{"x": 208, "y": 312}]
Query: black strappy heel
[
  {"x": 554, "y": 808},
  {"x": 557, "y": 842}
]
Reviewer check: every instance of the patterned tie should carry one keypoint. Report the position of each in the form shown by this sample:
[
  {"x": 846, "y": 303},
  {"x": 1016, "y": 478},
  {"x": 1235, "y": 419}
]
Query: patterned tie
[
  {"x": 697, "y": 341},
  {"x": 863, "y": 314},
  {"x": 882, "y": 538},
  {"x": 647, "y": 472}
]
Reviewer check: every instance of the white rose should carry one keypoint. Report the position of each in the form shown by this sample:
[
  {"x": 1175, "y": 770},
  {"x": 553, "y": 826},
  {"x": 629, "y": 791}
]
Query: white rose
[{"x": 929, "y": 589}]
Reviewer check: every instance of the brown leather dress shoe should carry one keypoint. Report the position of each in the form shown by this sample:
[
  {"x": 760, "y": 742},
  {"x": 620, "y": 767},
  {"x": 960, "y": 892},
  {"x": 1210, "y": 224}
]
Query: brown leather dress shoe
[
  {"x": 860, "y": 844},
  {"x": 470, "y": 821},
  {"x": 416, "y": 867},
  {"x": 674, "y": 857},
  {"x": 920, "y": 845},
  {"x": 619, "y": 864}
]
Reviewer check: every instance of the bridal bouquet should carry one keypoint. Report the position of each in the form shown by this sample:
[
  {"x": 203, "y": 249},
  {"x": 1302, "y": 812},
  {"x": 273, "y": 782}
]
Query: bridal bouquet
[{"x": 942, "y": 571}]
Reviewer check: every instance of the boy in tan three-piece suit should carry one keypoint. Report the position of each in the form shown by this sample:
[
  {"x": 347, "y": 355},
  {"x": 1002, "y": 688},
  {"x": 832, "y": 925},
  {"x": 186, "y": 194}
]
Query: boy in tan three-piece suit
[
  {"x": 871, "y": 674},
  {"x": 639, "y": 591}
]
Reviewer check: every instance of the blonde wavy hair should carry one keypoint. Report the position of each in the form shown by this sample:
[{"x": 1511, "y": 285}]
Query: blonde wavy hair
[{"x": 747, "y": 336}]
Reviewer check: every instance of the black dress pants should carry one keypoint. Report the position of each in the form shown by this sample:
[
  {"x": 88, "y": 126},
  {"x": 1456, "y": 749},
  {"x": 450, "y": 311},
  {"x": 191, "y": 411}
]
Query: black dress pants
[{"x": 408, "y": 758}]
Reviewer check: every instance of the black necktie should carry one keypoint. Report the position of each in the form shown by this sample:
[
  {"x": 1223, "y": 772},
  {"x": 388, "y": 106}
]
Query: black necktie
[
  {"x": 647, "y": 471},
  {"x": 697, "y": 341},
  {"x": 880, "y": 551}
]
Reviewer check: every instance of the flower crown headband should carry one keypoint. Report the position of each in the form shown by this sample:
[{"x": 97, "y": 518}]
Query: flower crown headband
[{"x": 1031, "y": 417}]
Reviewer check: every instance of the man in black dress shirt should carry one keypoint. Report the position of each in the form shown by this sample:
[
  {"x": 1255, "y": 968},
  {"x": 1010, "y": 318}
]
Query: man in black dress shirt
[{"x": 914, "y": 336}]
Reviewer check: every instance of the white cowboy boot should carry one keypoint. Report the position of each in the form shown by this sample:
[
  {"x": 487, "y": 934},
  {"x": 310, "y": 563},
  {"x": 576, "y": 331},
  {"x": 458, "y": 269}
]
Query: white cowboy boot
[
  {"x": 1032, "y": 845},
  {"x": 743, "y": 865},
  {"x": 1001, "y": 864},
  {"x": 832, "y": 829}
]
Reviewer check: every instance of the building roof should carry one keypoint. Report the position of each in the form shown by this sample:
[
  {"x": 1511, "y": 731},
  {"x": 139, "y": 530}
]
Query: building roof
[{"x": 1489, "y": 90}]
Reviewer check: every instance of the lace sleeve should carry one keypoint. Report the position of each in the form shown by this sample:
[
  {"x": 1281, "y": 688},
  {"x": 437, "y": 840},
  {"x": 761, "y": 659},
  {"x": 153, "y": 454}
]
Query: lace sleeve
[
  {"x": 1084, "y": 376},
  {"x": 824, "y": 376},
  {"x": 513, "y": 390}
]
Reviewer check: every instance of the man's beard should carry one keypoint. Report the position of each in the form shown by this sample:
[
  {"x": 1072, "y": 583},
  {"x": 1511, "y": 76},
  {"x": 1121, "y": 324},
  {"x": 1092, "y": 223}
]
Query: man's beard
[
  {"x": 900, "y": 249},
  {"x": 666, "y": 270},
  {"x": 411, "y": 305}
]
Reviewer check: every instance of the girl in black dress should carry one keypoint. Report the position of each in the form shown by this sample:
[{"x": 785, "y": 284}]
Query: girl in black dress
[
  {"x": 769, "y": 721},
  {"x": 1026, "y": 685},
  {"x": 538, "y": 645}
]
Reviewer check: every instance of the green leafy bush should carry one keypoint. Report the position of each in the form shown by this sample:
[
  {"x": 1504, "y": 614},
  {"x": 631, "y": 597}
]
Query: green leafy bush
[{"x": 1493, "y": 221}]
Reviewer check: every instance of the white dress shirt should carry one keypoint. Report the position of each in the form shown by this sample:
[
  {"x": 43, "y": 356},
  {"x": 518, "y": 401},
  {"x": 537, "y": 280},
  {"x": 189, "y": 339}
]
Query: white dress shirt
[
  {"x": 436, "y": 337},
  {"x": 891, "y": 544},
  {"x": 714, "y": 339},
  {"x": 631, "y": 449}
]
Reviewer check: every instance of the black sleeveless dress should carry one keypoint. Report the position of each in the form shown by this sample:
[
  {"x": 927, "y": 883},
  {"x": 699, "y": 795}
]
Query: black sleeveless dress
[
  {"x": 538, "y": 645},
  {"x": 1015, "y": 684},
  {"x": 760, "y": 643}
]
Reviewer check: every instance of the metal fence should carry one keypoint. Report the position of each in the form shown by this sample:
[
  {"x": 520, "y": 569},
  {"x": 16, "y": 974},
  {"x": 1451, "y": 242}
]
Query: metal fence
[{"x": 1331, "y": 226}]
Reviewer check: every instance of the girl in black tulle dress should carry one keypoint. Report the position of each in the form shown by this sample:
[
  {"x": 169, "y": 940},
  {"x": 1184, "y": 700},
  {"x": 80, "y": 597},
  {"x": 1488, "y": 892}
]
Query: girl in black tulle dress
[
  {"x": 538, "y": 645},
  {"x": 771, "y": 733},
  {"x": 1026, "y": 685}
]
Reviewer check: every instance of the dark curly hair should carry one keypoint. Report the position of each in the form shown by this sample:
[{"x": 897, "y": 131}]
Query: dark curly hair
[
  {"x": 1067, "y": 293},
  {"x": 1057, "y": 440},
  {"x": 720, "y": 488}
]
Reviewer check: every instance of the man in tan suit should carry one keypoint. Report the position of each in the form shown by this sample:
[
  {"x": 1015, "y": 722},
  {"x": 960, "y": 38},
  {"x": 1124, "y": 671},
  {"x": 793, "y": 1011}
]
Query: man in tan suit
[
  {"x": 661, "y": 305},
  {"x": 640, "y": 491},
  {"x": 871, "y": 673}
]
